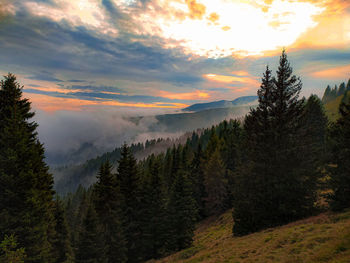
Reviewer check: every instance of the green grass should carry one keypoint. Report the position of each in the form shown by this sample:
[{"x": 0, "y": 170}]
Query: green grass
[{"x": 323, "y": 238}]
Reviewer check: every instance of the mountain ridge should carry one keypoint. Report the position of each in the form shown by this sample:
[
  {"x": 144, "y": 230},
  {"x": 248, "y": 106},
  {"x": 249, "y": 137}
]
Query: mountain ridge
[{"x": 240, "y": 101}]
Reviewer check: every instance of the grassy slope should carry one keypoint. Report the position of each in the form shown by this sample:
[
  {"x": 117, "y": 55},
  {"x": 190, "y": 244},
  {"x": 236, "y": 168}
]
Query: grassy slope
[
  {"x": 323, "y": 238},
  {"x": 332, "y": 108}
]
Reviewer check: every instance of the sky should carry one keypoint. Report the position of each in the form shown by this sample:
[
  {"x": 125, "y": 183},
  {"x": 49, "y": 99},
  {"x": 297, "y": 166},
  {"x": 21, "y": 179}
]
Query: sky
[
  {"x": 77, "y": 54},
  {"x": 86, "y": 64}
]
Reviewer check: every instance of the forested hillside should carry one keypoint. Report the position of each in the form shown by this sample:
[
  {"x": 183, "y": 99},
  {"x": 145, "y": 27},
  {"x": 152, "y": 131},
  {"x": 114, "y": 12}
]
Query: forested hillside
[{"x": 333, "y": 97}]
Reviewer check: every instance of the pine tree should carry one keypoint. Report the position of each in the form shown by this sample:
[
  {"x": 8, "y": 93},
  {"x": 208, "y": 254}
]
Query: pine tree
[
  {"x": 106, "y": 200},
  {"x": 253, "y": 175},
  {"x": 271, "y": 188},
  {"x": 333, "y": 93},
  {"x": 215, "y": 184},
  {"x": 341, "y": 90},
  {"x": 182, "y": 213},
  {"x": 231, "y": 154},
  {"x": 26, "y": 187},
  {"x": 197, "y": 181},
  {"x": 154, "y": 212},
  {"x": 129, "y": 184},
  {"x": 89, "y": 244},
  {"x": 315, "y": 123},
  {"x": 61, "y": 247},
  {"x": 340, "y": 170},
  {"x": 326, "y": 95}
]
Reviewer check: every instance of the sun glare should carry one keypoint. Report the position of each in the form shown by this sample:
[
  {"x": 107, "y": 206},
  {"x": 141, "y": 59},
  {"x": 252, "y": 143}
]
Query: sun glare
[{"x": 222, "y": 28}]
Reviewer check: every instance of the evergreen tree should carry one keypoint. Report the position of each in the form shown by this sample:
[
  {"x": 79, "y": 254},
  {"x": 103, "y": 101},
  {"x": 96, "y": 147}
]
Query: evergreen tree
[
  {"x": 326, "y": 95},
  {"x": 271, "y": 188},
  {"x": 333, "y": 93},
  {"x": 154, "y": 223},
  {"x": 232, "y": 137},
  {"x": 105, "y": 197},
  {"x": 197, "y": 181},
  {"x": 89, "y": 244},
  {"x": 61, "y": 247},
  {"x": 26, "y": 187},
  {"x": 341, "y": 90},
  {"x": 129, "y": 184},
  {"x": 76, "y": 225},
  {"x": 215, "y": 184},
  {"x": 253, "y": 179},
  {"x": 340, "y": 170},
  {"x": 182, "y": 213},
  {"x": 346, "y": 97},
  {"x": 315, "y": 123}
]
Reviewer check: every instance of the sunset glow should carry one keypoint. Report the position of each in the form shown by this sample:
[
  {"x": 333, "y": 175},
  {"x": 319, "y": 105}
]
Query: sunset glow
[
  {"x": 167, "y": 54},
  {"x": 217, "y": 28}
]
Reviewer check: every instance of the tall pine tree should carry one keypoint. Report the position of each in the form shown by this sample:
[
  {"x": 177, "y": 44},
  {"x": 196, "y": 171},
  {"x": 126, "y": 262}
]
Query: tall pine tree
[
  {"x": 89, "y": 248},
  {"x": 271, "y": 188},
  {"x": 154, "y": 212},
  {"x": 26, "y": 187},
  {"x": 106, "y": 197},
  {"x": 129, "y": 185},
  {"x": 61, "y": 247},
  {"x": 182, "y": 213}
]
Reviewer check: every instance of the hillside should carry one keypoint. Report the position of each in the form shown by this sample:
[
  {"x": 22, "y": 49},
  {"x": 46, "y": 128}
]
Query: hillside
[
  {"x": 332, "y": 108},
  {"x": 189, "y": 121},
  {"x": 323, "y": 238},
  {"x": 240, "y": 101},
  {"x": 68, "y": 178}
]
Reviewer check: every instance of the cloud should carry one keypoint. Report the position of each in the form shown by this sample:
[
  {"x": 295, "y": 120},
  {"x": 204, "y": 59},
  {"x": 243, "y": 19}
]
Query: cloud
[
  {"x": 91, "y": 88},
  {"x": 339, "y": 72},
  {"x": 45, "y": 75},
  {"x": 213, "y": 17},
  {"x": 281, "y": 25},
  {"x": 88, "y": 13},
  {"x": 197, "y": 10},
  {"x": 56, "y": 102},
  {"x": 196, "y": 95},
  {"x": 231, "y": 79}
]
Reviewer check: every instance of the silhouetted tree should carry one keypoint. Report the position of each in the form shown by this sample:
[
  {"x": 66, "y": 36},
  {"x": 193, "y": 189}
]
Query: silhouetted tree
[
  {"x": 340, "y": 168},
  {"x": 106, "y": 199},
  {"x": 26, "y": 187}
]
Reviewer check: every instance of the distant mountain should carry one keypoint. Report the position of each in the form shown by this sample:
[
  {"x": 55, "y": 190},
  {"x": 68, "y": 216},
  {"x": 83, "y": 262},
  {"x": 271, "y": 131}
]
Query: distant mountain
[
  {"x": 245, "y": 100},
  {"x": 188, "y": 121}
]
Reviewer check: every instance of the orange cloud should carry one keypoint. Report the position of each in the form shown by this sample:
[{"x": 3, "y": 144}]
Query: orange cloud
[
  {"x": 52, "y": 104},
  {"x": 233, "y": 79},
  {"x": 226, "y": 28},
  {"x": 213, "y": 17},
  {"x": 56, "y": 89},
  {"x": 197, "y": 10},
  {"x": 340, "y": 72},
  {"x": 184, "y": 96},
  {"x": 240, "y": 73}
]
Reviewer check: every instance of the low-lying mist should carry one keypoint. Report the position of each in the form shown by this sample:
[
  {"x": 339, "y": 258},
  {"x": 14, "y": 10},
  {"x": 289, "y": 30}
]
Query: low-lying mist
[{"x": 72, "y": 137}]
